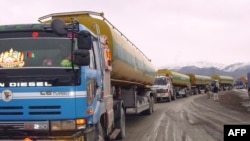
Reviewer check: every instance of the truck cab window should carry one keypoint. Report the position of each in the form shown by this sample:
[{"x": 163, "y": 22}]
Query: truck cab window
[
  {"x": 97, "y": 55},
  {"x": 92, "y": 59}
]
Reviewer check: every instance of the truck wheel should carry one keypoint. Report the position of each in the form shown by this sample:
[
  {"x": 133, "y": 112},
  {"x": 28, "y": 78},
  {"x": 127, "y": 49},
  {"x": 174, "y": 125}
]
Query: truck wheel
[
  {"x": 174, "y": 96},
  {"x": 120, "y": 124},
  {"x": 96, "y": 134},
  {"x": 169, "y": 98},
  {"x": 151, "y": 106},
  {"x": 100, "y": 132}
]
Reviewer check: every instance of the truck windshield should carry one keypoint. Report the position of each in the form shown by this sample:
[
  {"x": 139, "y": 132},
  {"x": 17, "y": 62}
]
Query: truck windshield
[
  {"x": 238, "y": 82},
  {"x": 160, "y": 81},
  {"x": 34, "y": 52}
]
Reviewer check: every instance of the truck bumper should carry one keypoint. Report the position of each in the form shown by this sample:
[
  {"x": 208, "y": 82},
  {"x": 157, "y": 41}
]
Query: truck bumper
[
  {"x": 161, "y": 96},
  {"x": 76, "y": 137},
  {"x": 62, "y": 136}
]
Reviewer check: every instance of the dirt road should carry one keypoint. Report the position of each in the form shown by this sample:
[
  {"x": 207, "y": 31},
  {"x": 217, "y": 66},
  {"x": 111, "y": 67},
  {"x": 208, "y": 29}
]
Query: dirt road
[{"x": 194, "y": 118}]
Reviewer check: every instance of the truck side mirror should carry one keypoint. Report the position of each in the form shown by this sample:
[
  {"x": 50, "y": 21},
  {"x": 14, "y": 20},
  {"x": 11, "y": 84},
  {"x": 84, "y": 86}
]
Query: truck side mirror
[
  {"x": 84, "y": 40},
  {"x": 81, "y": 57},
  {"x": 59, "y": 27}
]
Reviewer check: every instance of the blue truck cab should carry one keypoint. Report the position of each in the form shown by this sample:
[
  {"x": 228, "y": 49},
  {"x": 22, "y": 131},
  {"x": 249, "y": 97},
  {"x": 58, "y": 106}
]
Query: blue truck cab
[{"x": 52, "y": 84}]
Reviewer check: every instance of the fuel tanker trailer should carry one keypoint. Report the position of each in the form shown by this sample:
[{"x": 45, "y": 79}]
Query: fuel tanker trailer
[
  {"x": 199, "y": 83},
  {"x": 225, "y": 82},
  {"x": 180, "y": 82},
  {"x": 70, "y": 77}
]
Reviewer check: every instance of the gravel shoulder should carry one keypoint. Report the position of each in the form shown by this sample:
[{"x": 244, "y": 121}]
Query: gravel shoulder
[{"x": 236, "y": 100}]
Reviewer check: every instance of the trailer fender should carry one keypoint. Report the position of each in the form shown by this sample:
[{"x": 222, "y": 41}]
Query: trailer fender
[{"x": 97, "y": 111}]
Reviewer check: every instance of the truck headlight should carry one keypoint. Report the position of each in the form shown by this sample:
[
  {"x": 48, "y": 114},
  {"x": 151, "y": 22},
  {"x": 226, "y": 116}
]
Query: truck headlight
[
  {"x": 81, "y": 123},
  {"x": 63, "y": 125}
]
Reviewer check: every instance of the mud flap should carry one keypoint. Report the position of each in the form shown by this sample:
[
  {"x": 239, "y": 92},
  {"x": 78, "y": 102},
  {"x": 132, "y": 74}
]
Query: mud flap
[{"x": 119, "y": 131}]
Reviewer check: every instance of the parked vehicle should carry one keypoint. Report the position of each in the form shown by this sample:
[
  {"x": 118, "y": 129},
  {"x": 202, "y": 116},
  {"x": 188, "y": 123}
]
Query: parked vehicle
[
  {"x": 70, "y": 77},
  {"x": 225, "y": 82},
  {"x": 164, "y": 88},
  {"x": 199, "y": 83},
  {"x": 248, "y": 84},
  {"x": 180, "y": 82},
  {"x": 239, "y": 84}
]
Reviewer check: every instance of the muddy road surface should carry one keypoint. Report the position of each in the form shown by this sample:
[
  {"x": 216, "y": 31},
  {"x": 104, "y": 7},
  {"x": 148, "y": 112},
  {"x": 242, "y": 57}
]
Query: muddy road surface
[{"x": 194, "y": 118}]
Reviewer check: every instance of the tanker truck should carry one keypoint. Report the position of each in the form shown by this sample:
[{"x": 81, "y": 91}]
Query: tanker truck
[
  {"x": 70, "y": 77},
  {"x": 180, "y": 84},
  {"x": 241, "y": 83},
  {"x": 248, "y": 84},
  {"x": 225, "y": 82},
  {"x": 199, "y": 83}
]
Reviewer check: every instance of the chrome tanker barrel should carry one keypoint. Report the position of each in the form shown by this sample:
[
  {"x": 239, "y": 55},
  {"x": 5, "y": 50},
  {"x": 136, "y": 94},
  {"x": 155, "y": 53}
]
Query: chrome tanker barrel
[
  {"x": 177, "y": 78},
  {"x": 199, "y": 79},
  {"x": 223, "y": 79},
  {"x": 129, "y": 65}
]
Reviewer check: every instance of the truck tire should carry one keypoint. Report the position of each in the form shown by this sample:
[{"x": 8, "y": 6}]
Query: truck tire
[
  {"x": 100, "y": 132},
  {"x": 169, "y": 98},
  {"x": 120, "y": 124},
  {"x": 96, "y": 134},
  {"x": 151, "y": 106},
  {"x": 174, "y": 96}
]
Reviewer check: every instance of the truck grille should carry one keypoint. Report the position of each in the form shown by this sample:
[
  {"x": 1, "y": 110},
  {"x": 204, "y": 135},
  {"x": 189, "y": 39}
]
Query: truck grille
[
  {"x": 161, "y": 90},
  {"x": 32, "y": 110},
  {"x": 11, "y": 110},
  {"x": 13, "y": 125},
  {"x": 22, "y": 125}
]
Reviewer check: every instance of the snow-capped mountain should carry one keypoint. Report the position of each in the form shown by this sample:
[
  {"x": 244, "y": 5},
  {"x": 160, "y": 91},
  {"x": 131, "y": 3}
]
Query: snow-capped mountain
[
  {"x": 236, "y": 66},
  {"x": 235, "y": 70},
  {"x": 199, "y": 64}
]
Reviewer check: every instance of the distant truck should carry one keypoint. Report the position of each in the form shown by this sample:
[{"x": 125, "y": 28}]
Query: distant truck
[
  {"x": 199, "y": 83},
  {"x": 70, "y": 77},
  {"x": 239, "y": 84},
  {"x": 225, "y": 82},
  {"x": 163, "y": 88},
  {"x": 180, "y": 83},
  {"x": 248, "y": 84}
]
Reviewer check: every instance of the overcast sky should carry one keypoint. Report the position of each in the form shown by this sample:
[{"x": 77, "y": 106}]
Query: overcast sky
[{"x": 167, "y": 31}]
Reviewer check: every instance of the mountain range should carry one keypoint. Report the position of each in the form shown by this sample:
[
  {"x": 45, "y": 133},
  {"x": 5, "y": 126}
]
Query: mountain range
[{"x": 235, "y": 70}]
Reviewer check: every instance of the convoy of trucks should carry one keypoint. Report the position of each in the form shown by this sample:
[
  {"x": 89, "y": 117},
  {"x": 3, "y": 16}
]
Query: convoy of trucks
[
  {"x": 180, "y": 84},
  {"x": 70, "y": 77},
  {"x": 74, "y": 75}
]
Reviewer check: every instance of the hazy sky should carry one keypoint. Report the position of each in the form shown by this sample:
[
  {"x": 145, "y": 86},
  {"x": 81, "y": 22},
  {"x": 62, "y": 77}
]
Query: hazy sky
[{"x": 167, "y": 31}]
